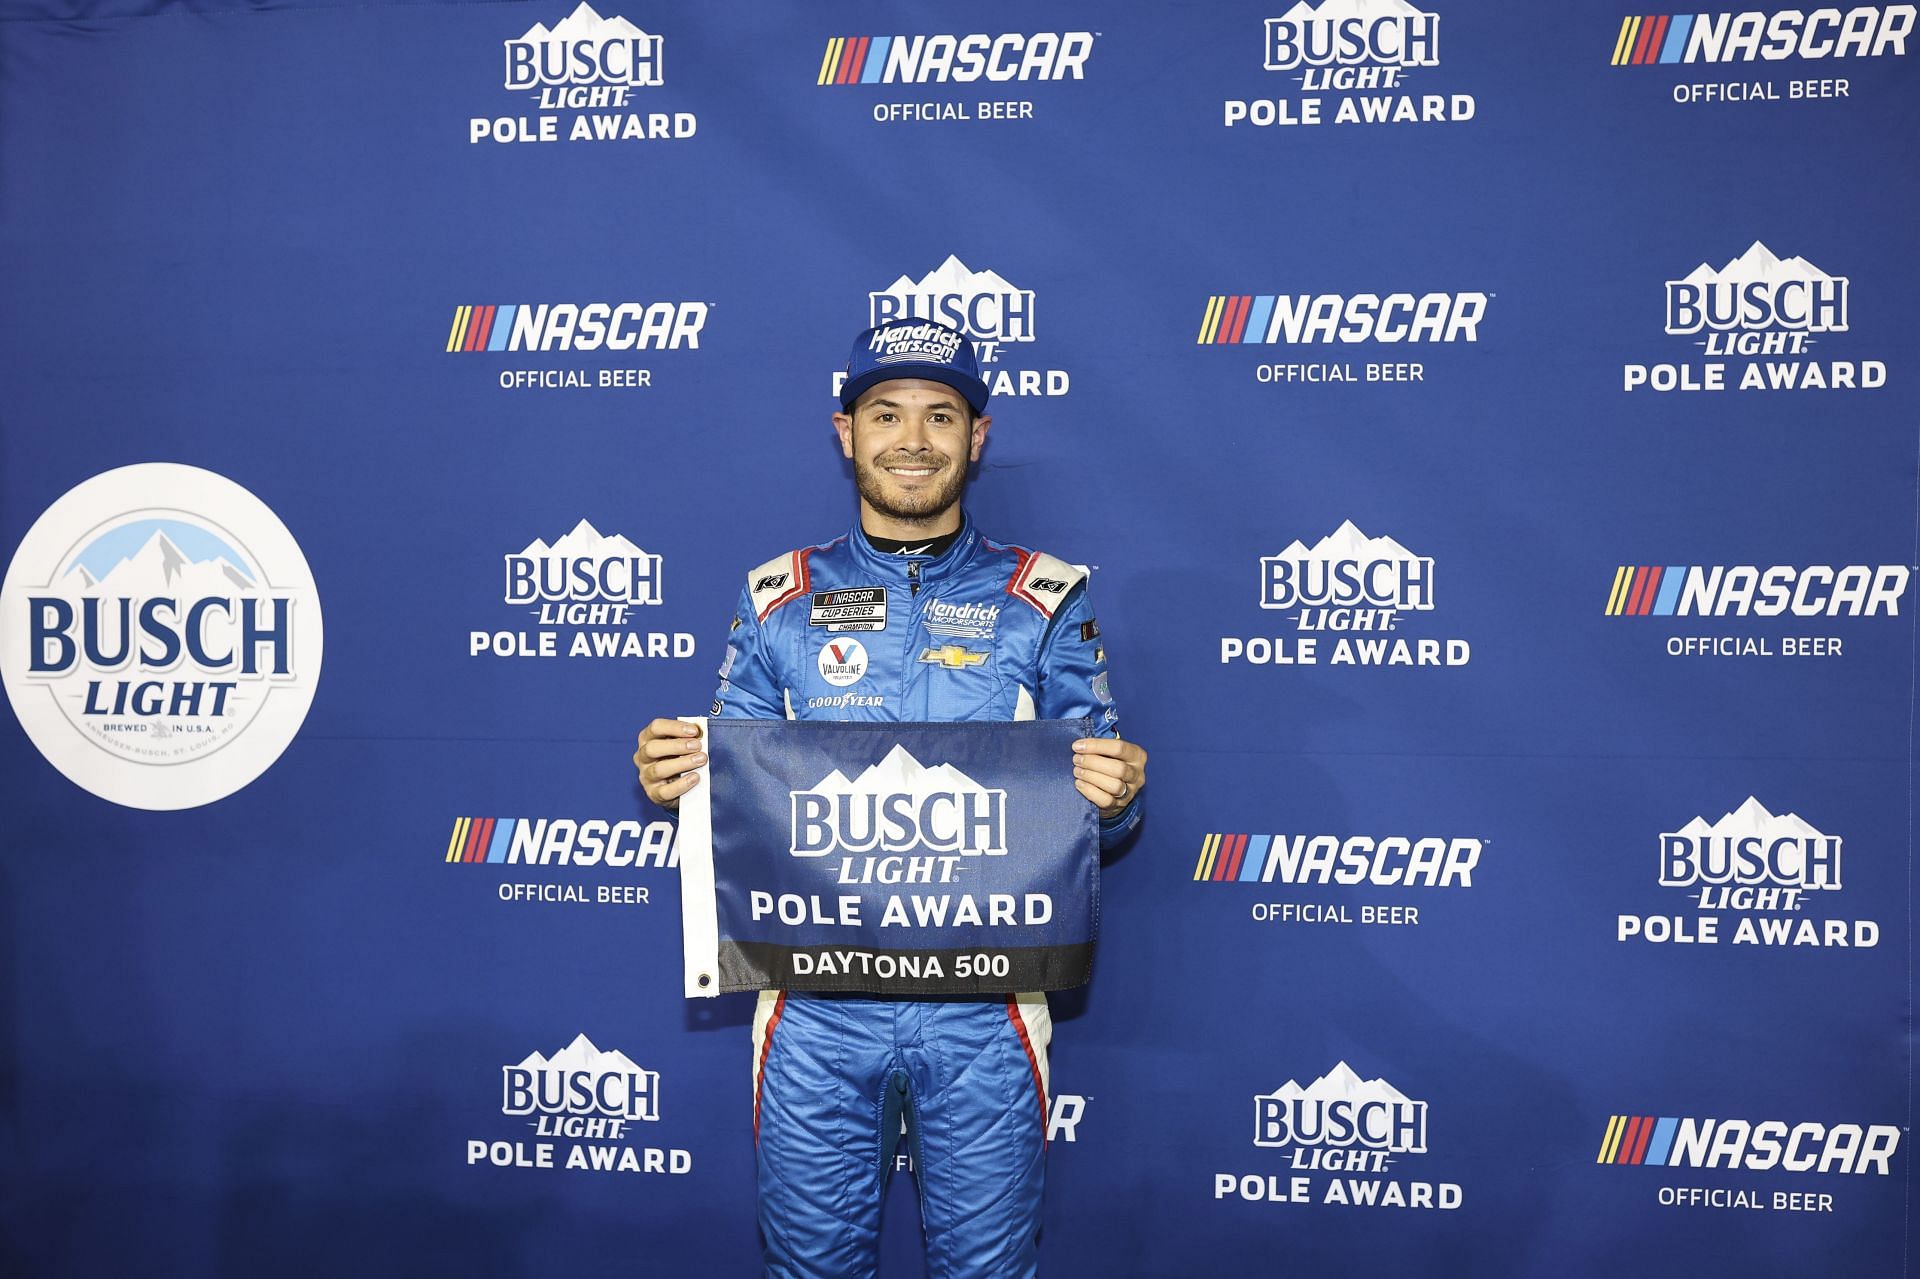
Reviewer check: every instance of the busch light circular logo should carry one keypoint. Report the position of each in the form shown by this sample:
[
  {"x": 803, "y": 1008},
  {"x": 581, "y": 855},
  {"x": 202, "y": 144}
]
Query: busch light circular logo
[{"x": 160, "y": 636}]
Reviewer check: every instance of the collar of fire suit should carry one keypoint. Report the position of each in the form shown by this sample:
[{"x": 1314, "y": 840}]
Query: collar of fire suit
[{"x": 932, "y": 568}]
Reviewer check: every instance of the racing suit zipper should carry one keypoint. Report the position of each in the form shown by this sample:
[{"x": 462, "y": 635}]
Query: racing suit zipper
[{"x": 913, "y": 577}]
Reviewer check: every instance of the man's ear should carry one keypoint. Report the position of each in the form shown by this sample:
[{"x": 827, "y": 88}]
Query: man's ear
[
  {"x": 980, "y": 425},
  {"x": 843, "y": 423}
]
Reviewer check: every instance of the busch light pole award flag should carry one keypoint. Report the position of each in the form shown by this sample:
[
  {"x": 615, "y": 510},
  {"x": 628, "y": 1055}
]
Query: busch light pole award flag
[{"x": 895, "y": 859}]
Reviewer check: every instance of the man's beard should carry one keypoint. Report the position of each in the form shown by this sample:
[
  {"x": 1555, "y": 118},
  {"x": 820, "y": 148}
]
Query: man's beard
[{"x": 923, "y": 507}]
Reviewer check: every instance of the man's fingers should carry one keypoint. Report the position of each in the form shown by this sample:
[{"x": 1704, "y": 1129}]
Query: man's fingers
[
  {"x": 1098, "y": 798},
  {"x": 1106, "y": 783},
  {"x": 666, "y": 769},
  {"x": 662, "y": 747},
  {"x": 670, "y": 728},
  {"x": 1103, "y": 765},
  {"x": 1099, "y": 746}
]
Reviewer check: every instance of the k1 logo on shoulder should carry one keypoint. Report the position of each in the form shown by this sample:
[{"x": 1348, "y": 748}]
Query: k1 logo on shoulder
[
  {"x": 1353, "y": 62},
  {"x": 1814, "y": 43},
  {"x": 814, "y": 865},
  {"x": 564, "y": 862},
  {"x": 1339, "y": 1138},
  {"x": 1758, "y": 321},
  {"x": 995, "y": 313},
  {"x": 1779, "y": 1148},
  {"x": 160, "y": 636},
  {"x": 592, "y": 327},
  {"x": 582, "y": 79},
  {"x": 1755, "y": 880},
  {"x": 590, "y": 1100},
  {"x": 1791, "y": 594},
  {"x": 1376, "y": 321},
  {"x": 1353, "y": 593},
  {"x": 1000, "y": 63},
  {"x": 582, "y": 595}
]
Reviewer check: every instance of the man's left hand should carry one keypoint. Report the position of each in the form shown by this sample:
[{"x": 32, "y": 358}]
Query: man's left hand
[{"x": 1109, "y": 772}]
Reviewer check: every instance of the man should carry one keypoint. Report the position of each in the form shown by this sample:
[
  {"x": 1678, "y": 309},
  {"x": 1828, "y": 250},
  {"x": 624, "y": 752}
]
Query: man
[{"x": 939, "y": 623}]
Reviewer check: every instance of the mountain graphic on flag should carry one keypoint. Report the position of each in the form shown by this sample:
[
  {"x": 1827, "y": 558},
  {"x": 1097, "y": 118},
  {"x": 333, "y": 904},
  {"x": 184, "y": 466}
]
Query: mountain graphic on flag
[{"x": 899, "y": 773}]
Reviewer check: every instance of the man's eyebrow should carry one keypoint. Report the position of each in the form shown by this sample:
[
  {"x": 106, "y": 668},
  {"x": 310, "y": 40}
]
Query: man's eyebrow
[{"x": 893, "y": 404}]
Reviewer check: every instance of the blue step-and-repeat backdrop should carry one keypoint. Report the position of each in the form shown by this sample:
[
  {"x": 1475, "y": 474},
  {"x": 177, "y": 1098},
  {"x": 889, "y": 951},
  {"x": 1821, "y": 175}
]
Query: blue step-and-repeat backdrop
[{"x": 1491, "y": 430}]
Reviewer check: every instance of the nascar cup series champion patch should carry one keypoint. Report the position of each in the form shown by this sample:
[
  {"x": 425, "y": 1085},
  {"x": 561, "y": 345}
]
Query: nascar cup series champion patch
[{"x": 893, "y": 859}]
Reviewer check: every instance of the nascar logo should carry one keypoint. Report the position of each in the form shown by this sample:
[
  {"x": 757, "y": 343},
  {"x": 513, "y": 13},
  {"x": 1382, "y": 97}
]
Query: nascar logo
[
  {"x": 1332, "y": 317},
  {"x": 1864, "y": 31},
  {"x": 1044, "y": 55},
  {"x": 1855, "y": 590},
  {"x": 565, "y": 326},
  {"x": 1676, "y": 1142},
  {"x": 499, "y": 841}
]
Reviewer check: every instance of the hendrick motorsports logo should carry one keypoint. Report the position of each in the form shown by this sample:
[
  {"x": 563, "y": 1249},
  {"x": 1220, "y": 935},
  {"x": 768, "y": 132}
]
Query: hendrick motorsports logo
[
  {"x": 1339, "y": 1123},
  {"x": 1757, "y": 591},
  {"x": 592, "y": 1098},
  {"x": 1363, "y": 589},
  {"x": 582, "y": 594},
  {"x": 1354, "y": 62},
  {"x": 1344, "y": 319},
  {"x": 980, "y": 59},
  {"x": 1773, "y": 1146},
  {"x": 160, "y": 636},
  {"x": 993, "y": 312},
  {"x": 1756, "y": 873},
  {"x": 617, "y": 327},
  {"x": 1738, "y": 40},
  {"x": 593, "y": 857},
  {"x": 1769, "y": 311},
  {"x": 583, "y": 75}
]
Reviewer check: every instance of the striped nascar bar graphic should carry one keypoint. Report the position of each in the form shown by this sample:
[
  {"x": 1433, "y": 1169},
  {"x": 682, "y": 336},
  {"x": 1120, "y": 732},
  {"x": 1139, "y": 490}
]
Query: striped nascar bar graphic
[
  {"x": 481, "y": 839},
  {"x": 1645, "y": 590},
  {"x": 1655, "y": 38},
  {"x": 1230, "y": 857},
  {"x": 854, "y": 60},
  {"x": 1236, "y": 318},
  {"x": 1637, "y": 1139},
  {"x": 481, "y": 328}
]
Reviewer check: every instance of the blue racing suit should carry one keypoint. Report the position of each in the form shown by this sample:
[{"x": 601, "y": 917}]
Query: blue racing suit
[{"x": 842, "y": 631}]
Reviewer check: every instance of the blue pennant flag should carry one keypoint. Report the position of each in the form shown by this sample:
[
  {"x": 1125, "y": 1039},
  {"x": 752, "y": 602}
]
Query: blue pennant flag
[{"x": 895, "y": 859}]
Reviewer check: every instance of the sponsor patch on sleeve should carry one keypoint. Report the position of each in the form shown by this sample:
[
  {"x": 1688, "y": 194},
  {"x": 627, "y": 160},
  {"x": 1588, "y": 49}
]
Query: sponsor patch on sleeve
[{"x": 1089, "y": 630}]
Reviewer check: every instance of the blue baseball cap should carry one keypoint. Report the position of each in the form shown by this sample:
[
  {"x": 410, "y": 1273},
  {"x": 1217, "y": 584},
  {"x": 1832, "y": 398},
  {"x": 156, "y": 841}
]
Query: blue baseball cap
[{"x": 913, "y": 349}]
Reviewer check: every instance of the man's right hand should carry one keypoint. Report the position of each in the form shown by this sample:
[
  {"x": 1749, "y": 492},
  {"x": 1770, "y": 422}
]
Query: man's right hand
[{"x": 669, "y": 758}]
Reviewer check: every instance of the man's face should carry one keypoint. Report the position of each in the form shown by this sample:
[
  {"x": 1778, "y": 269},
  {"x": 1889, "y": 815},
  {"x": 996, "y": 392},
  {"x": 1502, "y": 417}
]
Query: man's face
[{"x": 910, "y": 441}]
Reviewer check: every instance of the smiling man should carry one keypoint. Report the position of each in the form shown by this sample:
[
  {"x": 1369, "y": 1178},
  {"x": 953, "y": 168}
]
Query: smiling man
[{"x": 913, "y": 615}]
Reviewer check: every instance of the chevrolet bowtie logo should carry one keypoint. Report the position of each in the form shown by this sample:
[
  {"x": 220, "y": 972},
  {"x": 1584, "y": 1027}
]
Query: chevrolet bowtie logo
[{"x": 953, "y": 657}]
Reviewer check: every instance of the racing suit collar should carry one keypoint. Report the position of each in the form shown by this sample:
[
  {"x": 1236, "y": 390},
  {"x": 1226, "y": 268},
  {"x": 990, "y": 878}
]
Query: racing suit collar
[{"x": 929, "y": 568}]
